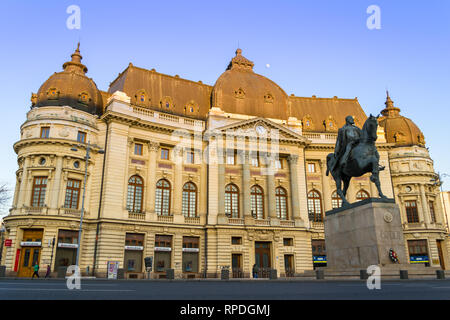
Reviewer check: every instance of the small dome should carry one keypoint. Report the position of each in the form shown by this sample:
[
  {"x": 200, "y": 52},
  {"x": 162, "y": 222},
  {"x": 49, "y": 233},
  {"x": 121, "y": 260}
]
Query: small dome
[
  {"x": 398, "y": 129},
  {"x": 71, "y": 88},
  {"x": 240, "y": 90}
]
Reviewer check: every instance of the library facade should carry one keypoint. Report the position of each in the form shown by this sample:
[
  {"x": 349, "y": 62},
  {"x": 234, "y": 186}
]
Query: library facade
[{"x": 199, "y": 177}]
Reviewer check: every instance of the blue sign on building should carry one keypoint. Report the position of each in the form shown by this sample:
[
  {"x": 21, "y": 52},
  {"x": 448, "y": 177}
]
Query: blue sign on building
[
  {"x": 419, "y": 259},
  {"x": 320, "y": 259}
]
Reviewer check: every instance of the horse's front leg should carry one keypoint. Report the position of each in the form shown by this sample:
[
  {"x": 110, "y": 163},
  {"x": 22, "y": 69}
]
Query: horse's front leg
[
  {"x": 340, "y": 193},
  {"x": 375, "y": 178}
]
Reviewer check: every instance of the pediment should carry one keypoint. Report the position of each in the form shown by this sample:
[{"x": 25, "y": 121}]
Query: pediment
[{"x": 262, "y": 128}]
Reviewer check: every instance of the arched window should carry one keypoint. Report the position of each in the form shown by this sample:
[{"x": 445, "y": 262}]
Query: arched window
[
  {"x": 162, "y": 201},
  {"x": 189, "y": 207},
  {"x": 281, "y": 203},
  {"x": 257, "y": 202},
  {"x": 336, "y": 201},
  {"x": 135, "y": 192},
  {"x": 232, "y": 201},
  {"x": 361, "y": 195},
  {"x": 315, "y": 206}
]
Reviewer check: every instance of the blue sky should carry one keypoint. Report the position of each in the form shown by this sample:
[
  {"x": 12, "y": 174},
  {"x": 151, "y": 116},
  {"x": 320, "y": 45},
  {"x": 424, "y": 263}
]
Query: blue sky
[{"x": 321, "y": 48}]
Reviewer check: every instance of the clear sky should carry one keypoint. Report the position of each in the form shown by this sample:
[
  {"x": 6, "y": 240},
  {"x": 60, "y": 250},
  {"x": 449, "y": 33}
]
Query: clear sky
[{"x": 321, "y": 48}]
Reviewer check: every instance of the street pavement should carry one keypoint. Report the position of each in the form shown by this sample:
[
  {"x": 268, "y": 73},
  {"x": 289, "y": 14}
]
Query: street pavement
[{"x": 53, "y": 289}]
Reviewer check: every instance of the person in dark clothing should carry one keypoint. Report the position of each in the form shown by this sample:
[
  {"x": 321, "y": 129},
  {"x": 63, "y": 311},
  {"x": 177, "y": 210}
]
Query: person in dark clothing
[
  {"x": 255, "y": 271},
  {"x": 47, "y": 274}
]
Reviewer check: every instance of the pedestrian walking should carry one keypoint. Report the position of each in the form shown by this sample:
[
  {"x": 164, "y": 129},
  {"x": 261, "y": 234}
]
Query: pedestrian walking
[
  {"x": 255, "y": 271},
  {"x": 36, "y": 269},
  {"x": 47, "y": 274}
]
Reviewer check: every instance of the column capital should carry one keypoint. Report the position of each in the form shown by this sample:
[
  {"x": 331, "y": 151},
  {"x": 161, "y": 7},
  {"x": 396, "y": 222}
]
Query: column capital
[
  {"x": 293, "y": 158},
  {"x": 153, "y": 146}
]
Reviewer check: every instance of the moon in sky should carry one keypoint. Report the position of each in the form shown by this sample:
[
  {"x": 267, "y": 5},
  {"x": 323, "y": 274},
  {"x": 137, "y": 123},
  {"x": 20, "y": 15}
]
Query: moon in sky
[{"x": 267, "y": 65}]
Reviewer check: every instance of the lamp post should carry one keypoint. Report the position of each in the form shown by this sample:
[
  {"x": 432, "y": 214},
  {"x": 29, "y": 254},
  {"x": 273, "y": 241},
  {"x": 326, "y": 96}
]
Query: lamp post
[
  {"x": 88, "y": 150},
  {"x": 437, "y": 181}
]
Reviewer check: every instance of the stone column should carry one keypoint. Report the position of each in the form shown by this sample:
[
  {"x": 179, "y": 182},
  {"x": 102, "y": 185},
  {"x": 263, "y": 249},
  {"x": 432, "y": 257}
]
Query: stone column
[
  {"x": 293, "y": 160},
  {"x": 153, "y": 148},
  {"x": 425, "y": 208},
  {"x": 178, "y": 181},
  {"x": 246, "y": 186},
  {"x": 325, "y": 186},
  {"x": 221, "y": 189},
  {"x": 23, "y": 183},
  {"x": 56, "y": 184},
  {"x": 270, "y": 189}
]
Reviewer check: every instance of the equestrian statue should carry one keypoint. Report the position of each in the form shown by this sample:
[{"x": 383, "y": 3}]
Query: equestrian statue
[{"x": 355, "y": 154}]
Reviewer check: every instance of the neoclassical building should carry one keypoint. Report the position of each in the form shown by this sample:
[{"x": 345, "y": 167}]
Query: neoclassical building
[{"x": 198, "y": 177}]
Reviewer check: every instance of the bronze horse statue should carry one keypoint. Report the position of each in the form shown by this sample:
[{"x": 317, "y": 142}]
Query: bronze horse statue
[{"x": 363, "y": 158}]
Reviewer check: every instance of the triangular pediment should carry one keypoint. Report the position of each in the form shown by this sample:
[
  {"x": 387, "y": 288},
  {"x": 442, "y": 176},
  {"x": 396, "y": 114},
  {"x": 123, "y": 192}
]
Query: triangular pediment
[{"x": 262, "y": 128}]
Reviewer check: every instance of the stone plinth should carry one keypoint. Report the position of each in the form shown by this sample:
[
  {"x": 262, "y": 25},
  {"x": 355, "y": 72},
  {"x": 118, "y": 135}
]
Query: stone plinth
[{"x": 361, "y": 235}]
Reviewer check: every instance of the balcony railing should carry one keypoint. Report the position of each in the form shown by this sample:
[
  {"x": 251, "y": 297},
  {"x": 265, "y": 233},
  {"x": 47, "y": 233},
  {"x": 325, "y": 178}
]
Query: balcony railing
[
  {"x": 136, "y": 215},
  {"x": 70, "y": 212},
  {"x": 262, "y": 222},
  {"x": 316, "y": 225},
  {"x": 165, "y": 219},
  {"x": 238, "y": 221},
  {"x": 35, "y": 210},
  {"x": 192, "y": 220},
  {"x": 287, "y": 223}
]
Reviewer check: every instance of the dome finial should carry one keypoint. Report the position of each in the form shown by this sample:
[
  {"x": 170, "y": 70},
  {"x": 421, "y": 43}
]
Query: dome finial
[
  {"x": 75, "y": 64},
  {"x": 390, "y": 110}
]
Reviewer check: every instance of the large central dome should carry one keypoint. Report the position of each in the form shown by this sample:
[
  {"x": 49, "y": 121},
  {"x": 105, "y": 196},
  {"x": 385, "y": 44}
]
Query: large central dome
[{"x": 242, "y": 91}]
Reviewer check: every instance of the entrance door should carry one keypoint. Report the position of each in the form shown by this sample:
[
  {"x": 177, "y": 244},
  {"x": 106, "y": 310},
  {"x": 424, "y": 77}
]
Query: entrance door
[
  {"x": 441, "y": 255},
  {"x": 262, "y": 258},
  {"x": 30, "y": 255},
  {"x": 236, "y": 265},
  {"x": 289, "y": 265}
]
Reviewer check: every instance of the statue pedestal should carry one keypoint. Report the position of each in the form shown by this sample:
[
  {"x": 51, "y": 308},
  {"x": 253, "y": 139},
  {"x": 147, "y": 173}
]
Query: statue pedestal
[{"x": 360, "y": 235}]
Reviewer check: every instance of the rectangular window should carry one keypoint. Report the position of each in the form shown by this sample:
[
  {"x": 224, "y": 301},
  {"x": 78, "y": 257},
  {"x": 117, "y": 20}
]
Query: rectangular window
[
  {"x": 311, "y": 167},
  {"x": 236, "y": 240},
  {"x": 164, "y": 154},
  {"x": 190, "y": 242},
  {"x": 255, "y": 161},
  {"x": 432, "y": 213},
  {"x": 162, "y": 241},
  {"x": 190, "y": 157},
  {"x": 138, "y": 149},
  {"x": 45, "y": 132},
  {"x": 231, "y": 159},
  {"x": 279, "y": 164},
  {"x": 68, "y": 236},
  {"x": 288, "y": 242},
  {"x": 39, "y": 188},
  {"x": 81, "y": 137},
  {"x": 134, "y": 239},
  {"x": 190, "y": 255},
  {"x": 72, "y": 194},
  {"x": 411, "y": 211}
]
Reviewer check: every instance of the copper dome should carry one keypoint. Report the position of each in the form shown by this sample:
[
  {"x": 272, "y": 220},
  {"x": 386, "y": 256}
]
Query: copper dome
[
  {"x": 398, "y": 129},
  {"x": 240, "y": 90},
  {"x": 71, "y": 88}
]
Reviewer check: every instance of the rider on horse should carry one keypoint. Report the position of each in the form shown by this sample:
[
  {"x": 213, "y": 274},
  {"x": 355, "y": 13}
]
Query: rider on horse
[{"x": 348, "y": 137}]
